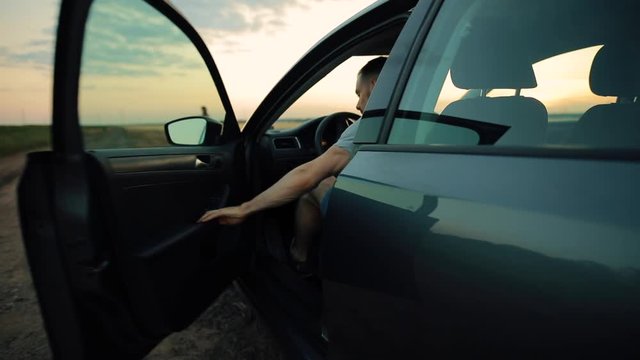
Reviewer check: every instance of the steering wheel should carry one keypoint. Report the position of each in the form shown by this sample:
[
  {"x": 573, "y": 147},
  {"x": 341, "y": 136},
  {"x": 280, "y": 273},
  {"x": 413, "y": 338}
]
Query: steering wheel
[{"x": 339, "y": 121}]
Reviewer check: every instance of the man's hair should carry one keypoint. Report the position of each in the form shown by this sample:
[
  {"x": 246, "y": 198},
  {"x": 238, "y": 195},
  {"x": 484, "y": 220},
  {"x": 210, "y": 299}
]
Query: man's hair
[{"x": 373, "y": 67}]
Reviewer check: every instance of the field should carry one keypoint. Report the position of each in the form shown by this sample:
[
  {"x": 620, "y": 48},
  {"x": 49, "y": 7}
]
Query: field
[
  {"x": 100, "y": 137},
  {"x": 14, "y": 139}
]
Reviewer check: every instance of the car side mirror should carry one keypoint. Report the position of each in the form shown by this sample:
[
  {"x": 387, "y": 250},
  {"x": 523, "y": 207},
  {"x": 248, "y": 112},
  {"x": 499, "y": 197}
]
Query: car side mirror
[{"x": 193, "y": 130}]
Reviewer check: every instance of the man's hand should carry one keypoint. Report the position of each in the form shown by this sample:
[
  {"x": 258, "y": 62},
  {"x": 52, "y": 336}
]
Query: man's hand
[{"x": 232, "y": 215}]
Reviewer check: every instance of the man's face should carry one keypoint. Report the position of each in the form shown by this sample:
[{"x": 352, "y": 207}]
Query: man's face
[{"x": 364, "y": 86}]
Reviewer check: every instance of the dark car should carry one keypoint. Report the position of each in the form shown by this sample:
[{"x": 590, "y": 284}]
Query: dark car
[{"x": 491, "y": 210}]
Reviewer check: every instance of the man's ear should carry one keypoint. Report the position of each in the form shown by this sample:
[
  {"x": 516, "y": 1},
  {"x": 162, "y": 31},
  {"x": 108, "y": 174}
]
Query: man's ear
[{"x": 372, "y": 81}]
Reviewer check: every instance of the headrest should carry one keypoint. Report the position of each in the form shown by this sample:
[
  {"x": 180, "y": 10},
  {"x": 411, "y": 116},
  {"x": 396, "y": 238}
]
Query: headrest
[
  {"x": 488, "y": 58},
  {"x": 616, "y": 71}
]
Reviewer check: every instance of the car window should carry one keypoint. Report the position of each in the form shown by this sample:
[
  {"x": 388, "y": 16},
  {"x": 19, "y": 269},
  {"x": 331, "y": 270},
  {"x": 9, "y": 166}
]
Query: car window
[
  {"x": 541, "y": 73},
  {"x": 335, "y": 92},
  {"x": 139, "y": 71}
]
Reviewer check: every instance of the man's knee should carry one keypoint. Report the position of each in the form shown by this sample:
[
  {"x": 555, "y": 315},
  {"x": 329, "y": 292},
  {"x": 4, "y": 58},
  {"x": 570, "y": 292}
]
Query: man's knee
[
  {"x": 308, "y": 200},
  {"x": 322, "y": 188},
  {"x": 328, "y": 182}
]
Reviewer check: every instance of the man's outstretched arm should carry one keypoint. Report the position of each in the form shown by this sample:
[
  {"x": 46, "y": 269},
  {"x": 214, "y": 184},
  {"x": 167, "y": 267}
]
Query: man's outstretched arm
[{"x": 290, "y": 187}]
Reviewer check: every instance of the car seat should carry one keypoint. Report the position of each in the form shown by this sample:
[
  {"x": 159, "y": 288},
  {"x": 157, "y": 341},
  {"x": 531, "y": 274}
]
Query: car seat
[
  {"x": 615, "y": 72},
  {"x": 500, "y": 66}
]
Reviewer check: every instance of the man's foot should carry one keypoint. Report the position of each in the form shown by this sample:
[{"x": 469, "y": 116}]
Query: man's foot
[
  {"x": 295, "y": 253},
  {"x": 299, "y": 261},
  {"x": 302, "y": 268}
]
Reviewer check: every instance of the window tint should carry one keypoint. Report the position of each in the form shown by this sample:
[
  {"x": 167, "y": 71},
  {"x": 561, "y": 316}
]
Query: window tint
[
  {"x": 139, "y": 71},
  {"x": 543, "y": 73}
]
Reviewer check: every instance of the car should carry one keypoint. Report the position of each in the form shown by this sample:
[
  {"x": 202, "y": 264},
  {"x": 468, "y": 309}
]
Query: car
[{"x": 491, "y": 209}]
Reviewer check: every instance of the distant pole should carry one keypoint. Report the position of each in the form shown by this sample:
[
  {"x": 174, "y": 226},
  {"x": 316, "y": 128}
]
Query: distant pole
[{"x": 204, "y": 111}]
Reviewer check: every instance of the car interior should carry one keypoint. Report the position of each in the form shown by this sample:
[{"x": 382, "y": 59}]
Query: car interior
[
  {"x": 277, "y": 151},
  {"x": 614, "y": 73},
  {"x": 475, "y": 69},
  {"x": 546, "y": 90}
]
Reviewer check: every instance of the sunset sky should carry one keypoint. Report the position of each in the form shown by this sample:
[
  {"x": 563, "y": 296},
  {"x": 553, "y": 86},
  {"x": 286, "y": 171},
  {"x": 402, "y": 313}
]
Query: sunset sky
[
  {"x": 254, "y": 42},
  {"x": 138, "y": 69}
]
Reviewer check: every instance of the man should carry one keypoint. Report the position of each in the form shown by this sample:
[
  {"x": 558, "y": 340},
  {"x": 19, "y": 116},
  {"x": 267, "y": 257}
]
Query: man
[{"x": 308, "y": 182}]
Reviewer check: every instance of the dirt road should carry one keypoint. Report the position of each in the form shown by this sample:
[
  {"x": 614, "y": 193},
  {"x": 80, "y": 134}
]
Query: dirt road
[
  {"x": 229, "y": 329},
  {"x": 22, "y": 334}
]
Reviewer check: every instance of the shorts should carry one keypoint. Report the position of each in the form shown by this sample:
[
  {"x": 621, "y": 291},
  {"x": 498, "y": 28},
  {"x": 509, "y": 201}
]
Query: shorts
[{"x": 324, "y": 203}]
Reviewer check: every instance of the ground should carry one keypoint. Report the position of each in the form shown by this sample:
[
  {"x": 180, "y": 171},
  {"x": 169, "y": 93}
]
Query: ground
[{"x": 229, "y": 329}]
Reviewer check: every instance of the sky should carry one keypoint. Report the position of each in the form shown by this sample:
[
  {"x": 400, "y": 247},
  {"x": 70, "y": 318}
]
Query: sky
[
  {"x": 138, "y": 69},
  {"x": 254, "y": 43}
]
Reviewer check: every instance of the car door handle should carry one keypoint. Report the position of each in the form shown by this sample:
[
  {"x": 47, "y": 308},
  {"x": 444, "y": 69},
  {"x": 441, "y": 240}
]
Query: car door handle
[{"x": 208, "y": 162}]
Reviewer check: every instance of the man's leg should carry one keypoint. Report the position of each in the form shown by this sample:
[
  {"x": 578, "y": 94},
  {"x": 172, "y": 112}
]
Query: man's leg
[{"x": 308, "y": 220}]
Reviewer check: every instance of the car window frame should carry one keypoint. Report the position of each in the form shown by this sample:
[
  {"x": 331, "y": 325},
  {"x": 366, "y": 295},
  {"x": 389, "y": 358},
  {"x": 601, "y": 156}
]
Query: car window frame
[
  {"x": 327, "y": 54},
  {"x": 375, "y": 136},
  {"x": 66, "y": 128}
]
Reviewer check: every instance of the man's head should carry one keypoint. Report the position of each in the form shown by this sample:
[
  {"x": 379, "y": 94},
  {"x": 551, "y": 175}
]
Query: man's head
[{"x": 367, "y": 77}]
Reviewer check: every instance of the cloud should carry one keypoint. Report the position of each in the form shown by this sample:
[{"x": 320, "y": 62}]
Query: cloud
[
  {"x": 223, "y": 21},
  {"x": 123, "y": 20},
  {"x": 36, "y": 57},
  {"x": 122, "y": 34},
  {"x": 235, "y": 16},
  {"x": 131, "y": 39},
  {"x": 36, "y": 53},
  {"x": 220, "y": 20},
  {"x": 40, "y": 42},
  {"x": 107, "y": 69},
  {"x": 123, "y": 38}
]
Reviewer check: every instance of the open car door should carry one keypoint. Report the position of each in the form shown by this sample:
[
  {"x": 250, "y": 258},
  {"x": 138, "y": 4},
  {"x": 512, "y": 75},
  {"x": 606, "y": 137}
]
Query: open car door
[{"x": 109, "y": 215}]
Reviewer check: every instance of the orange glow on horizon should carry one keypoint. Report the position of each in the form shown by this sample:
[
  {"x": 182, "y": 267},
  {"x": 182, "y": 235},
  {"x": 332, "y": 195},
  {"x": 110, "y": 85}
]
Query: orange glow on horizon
[{"x": 563, "y": 84}]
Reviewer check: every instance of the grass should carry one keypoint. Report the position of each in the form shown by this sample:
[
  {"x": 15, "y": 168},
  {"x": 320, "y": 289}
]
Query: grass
[
  {"x": 286, "y": 124},
  {"x": 134, "y": 136},
  {"x": 14, "y": 139}
]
